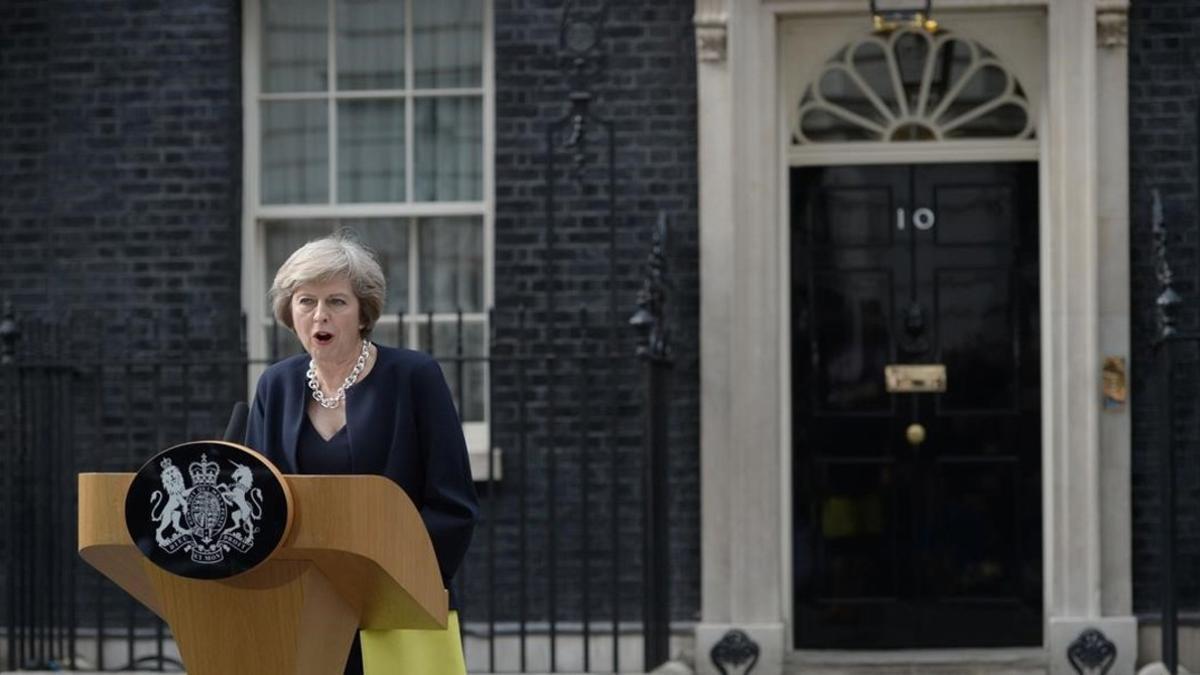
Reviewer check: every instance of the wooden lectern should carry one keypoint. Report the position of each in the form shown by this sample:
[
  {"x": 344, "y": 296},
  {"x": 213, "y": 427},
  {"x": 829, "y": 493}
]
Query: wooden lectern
[{"x": 357, "y": 554}]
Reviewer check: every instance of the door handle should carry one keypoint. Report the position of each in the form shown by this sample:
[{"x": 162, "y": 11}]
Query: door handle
[{"x": 915, "y": 434}]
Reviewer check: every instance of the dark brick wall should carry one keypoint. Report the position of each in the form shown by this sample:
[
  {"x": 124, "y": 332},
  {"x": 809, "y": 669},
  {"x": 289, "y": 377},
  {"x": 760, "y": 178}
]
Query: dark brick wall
[
  {"x": 644, "y": 86},
  {"x": 120, "y": 161},
  {"x": 120, "y": 242},
  {"x": 1164, "y": 76},
  {"x": 120, "y": 174}
]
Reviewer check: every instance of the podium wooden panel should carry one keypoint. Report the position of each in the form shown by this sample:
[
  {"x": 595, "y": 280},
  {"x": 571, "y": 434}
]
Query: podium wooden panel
[{"x": 357, "y": 555}]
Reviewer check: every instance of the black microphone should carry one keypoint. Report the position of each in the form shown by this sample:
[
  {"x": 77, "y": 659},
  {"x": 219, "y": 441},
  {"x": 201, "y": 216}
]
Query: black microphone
[{"x": 235, "y": 432}]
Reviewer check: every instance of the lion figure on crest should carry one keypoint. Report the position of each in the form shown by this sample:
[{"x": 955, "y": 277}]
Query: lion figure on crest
[
  {"x": 175, "y": 506},
  {"x": 246, "y": 501}
]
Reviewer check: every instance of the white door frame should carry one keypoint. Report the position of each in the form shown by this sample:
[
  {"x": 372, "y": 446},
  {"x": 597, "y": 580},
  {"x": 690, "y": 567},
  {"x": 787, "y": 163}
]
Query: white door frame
[{"x": 745, "y": 407}]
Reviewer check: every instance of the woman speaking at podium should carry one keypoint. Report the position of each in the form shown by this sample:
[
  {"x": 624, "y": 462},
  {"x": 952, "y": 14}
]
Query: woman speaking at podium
[{"x": 367, "y": 409}]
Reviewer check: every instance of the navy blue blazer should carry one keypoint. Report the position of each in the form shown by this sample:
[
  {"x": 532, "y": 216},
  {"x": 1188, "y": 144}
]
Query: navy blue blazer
[{"x": 401, "y": 423}]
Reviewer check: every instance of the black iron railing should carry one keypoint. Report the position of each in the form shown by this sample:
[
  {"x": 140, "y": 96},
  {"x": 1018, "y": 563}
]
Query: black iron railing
[
  {"x": 559, "y": 563},
  {"x": 1167, "y": 335},
  {"x": 568, "y": 570}
]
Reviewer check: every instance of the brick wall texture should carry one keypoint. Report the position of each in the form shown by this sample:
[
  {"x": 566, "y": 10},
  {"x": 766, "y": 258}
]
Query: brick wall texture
[
  {"x": 569, "y": 240},
  {"x": 120, "y": 181},
  {"x": 120, "y": 175},
  {"x": 1164, "y": 77},
  {"x": 120, "y": 160}
]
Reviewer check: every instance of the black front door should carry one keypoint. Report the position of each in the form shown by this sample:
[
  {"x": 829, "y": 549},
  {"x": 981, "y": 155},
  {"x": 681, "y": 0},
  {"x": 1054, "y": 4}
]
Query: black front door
[{"x": 917, "y": 516}]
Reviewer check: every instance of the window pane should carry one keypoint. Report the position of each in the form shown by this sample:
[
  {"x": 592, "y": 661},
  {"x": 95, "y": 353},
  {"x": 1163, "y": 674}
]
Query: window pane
[
  {"x": 449, "y": 149},
  {"x": 283, "y": 342},
  {"x": 451, "y": 264},
  {"x": 283, "y": 237},
  {"x": 463, "y": 373},
  {"x": 294, "y": 48},
  {"x": 371, "y": 151},
  {"x": 388, "y": 332},
  {"x": 448, "y": 43},
  {"x": 295, "y": 152},
  {"x": 388, "y": 240},
  {"x": 370, "y": 44}
]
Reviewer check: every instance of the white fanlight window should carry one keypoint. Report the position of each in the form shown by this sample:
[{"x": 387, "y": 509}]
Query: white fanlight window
[
  {"x": 910, "y": 85},
  {"x": 376, "y": 115}
]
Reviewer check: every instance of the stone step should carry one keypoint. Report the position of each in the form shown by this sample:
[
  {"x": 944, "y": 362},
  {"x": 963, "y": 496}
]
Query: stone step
[{"x": 919, "y": 662}]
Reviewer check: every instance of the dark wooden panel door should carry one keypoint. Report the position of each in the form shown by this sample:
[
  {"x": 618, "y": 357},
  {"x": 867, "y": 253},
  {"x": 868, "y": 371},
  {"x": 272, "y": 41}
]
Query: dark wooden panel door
[{"x": 938, "y": 543}]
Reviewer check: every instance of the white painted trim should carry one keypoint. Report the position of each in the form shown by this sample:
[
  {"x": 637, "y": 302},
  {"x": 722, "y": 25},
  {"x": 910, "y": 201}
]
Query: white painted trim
[
  {"x": 744, "y": 283},
  {"x": 489, "y": 235},
  {"x": 479, "y": 458},
  {"x": 891, "y": 116},
  {"x": 715, "y": 91},
  {"x": 331, "y": 104},
  {"x": 1070, "y": 368},
  {"x": 364, "y": 210},
  {"x": 421, "y": 319},
  {"x": 813, "y": 40},
  {"x": 1113, "y": 214},
  {"x": 791, "y": 155},
  {"x": 786, "y": 156},
  {"x": 410, "y": 123},
  {"x": 411, "y": 334},
  {"x": 832, "y": 154},
  {"x": 254, "y": 295},
  {"x": 448, "y": 92},
  {"x": 757, "y": 304}
]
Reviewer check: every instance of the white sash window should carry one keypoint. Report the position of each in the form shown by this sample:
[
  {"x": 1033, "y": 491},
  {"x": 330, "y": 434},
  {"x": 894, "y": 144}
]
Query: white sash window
[{"x": 376, "y": 115}]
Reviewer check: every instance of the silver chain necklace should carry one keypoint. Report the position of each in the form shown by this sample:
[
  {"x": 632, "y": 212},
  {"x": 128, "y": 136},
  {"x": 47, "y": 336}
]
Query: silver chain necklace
[{"x": 340, "y": 394}]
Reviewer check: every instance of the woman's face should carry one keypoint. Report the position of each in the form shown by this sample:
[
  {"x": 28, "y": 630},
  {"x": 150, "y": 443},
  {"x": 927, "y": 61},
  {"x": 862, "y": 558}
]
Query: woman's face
[{"x": 326, "y": 318}]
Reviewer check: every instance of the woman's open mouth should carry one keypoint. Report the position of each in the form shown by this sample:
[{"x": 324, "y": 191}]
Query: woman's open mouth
[{"x": 323, "y": 338}]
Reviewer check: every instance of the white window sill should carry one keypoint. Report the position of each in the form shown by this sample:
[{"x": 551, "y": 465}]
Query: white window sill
[{"x": 479, "y": 465}]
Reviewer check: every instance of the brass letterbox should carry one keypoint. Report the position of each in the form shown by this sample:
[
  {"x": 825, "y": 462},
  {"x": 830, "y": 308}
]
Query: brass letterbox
[{"x": 915, "y": 378}]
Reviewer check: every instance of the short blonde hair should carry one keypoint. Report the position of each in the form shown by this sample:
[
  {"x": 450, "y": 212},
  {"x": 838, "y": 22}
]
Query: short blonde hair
[{"x": 338, "y": 255}]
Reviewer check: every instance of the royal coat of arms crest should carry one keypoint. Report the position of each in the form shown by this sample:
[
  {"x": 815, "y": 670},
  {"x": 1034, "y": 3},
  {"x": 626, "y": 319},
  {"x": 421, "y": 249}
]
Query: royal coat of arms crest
[{"x": 206, "y": 519}]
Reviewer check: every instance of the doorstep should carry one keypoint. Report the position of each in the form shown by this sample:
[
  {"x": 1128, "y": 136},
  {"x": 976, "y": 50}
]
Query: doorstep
[{"x": 1015, "y": 661}]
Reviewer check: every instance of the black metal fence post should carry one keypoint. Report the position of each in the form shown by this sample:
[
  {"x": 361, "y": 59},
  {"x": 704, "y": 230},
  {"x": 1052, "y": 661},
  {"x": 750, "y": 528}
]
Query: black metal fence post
[
  {"x": 1166, "y": 306},
  {"x": 9, "y": 335},
  {"x": 655, "y": 352}
]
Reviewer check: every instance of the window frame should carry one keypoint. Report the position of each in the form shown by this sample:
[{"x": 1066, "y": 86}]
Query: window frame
[{"x": 255, "y": 215}]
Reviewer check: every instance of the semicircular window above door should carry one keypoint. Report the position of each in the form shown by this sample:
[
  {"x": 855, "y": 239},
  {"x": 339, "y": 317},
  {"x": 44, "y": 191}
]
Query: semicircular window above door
[{"x": 911, "y": 85}]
